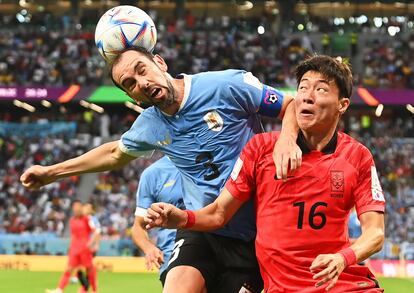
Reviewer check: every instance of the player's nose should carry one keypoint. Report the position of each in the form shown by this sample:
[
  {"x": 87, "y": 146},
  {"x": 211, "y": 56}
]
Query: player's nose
[{"x": 308, "y": 98}]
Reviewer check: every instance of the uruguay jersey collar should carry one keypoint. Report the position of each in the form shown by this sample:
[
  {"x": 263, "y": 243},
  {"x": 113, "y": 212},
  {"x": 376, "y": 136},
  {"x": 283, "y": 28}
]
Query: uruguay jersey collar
[
  {"x": 328, "y": 149},
  {"x": 187, "y": 87}
]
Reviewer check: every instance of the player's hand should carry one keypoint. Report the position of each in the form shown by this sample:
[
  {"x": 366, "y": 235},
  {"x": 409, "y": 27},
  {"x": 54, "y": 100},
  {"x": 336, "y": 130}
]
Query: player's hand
[
  {"x": 327, "y": 268},
  {"x": 286, "y": 153},
  {"x": 165, "y": 215},
  {"x": 154, "y": 258},
  {"x": 36, "y": 177}
]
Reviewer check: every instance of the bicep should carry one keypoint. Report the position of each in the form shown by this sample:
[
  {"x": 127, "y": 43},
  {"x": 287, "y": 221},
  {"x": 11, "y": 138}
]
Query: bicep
[
  {"x": 287, "y": 105},
  {"x": 372, "y": 219}
]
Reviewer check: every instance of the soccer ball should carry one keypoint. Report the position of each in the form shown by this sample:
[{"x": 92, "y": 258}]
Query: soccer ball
[{"x": 123, "y": 27}]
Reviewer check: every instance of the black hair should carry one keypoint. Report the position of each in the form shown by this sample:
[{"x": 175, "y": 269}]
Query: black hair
[{"x": 332, "y": 69}]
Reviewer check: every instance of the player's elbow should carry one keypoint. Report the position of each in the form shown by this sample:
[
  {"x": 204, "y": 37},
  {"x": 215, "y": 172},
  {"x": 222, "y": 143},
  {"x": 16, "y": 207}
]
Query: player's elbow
[{"x": 219, "y": 221}]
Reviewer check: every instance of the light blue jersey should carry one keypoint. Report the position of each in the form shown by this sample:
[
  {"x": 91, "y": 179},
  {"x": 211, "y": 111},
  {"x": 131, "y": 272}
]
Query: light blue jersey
[
  {"x": 160, "y": 182},
  {"x": 95, "y": 223},
  {"x": 354, "y": 226},
  {"x": 217, "y": 117}
]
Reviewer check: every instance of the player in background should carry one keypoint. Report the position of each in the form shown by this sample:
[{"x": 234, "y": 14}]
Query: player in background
[
  {"x": 161, "y": 181},
  {"x": 80, "y": 255},
  {"x": 302, "y": 241},
  {"x": 354, "y": 226},
  {"x": 92, "y": 277},
  {"x": 201, "y": 122}
]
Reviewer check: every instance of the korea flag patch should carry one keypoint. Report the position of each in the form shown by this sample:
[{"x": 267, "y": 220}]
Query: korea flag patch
[
  {"x": 236, "y": 169},
  {"x": 376, "y": 188}
]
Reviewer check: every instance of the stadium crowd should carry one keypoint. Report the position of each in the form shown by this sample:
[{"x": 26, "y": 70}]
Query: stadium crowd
[
  {"x": 114, "y": 193},
  {"x": 45, "y": 57},
  {"x": 48, "y": 57}
]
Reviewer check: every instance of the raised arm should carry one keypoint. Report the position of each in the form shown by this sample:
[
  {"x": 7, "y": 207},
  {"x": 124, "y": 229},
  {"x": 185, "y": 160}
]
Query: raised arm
[
  {"x": 153, "y": 255},
  {"x": 286, "y": 150},
  {"x": 105, "y": 157},
  {"x": 211, "y": 217}
]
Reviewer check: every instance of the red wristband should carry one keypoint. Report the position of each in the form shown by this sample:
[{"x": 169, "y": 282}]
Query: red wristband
[
  {"x": 349, "y": 256},
  {"x": 190, "y": 219}
]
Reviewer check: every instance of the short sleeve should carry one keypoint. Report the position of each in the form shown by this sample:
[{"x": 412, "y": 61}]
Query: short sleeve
[
  {"x": 133, "y": 141},
  {"x": 368, "y": 193},
  {"x": 241, "y": 183},
  {"x": 145, "y": 196},
  {"x": 253, "y": 96}
]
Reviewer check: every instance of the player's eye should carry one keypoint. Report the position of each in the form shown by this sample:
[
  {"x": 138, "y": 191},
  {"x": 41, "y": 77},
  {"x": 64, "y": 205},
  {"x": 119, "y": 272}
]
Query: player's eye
[
  {"x": 129, "y": 84},
  {"x": 322, "y": 90},
  {"x": 141, "y": 70}
]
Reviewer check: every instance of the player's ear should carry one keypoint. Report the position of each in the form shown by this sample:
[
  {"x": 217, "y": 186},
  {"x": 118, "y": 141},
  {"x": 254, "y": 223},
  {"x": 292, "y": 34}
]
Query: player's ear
[
  {"x": 160, "y": 62},
  {"x": 343, "y": 105}
]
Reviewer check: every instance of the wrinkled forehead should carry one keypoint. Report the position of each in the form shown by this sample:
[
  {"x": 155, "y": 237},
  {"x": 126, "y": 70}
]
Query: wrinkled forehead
[{"x": 126, "y": 62}]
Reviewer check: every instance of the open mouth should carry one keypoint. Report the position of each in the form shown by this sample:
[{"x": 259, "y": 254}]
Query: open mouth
[
  {"x": 306, "y": 112},
  {"x": 155, "y": 92}
]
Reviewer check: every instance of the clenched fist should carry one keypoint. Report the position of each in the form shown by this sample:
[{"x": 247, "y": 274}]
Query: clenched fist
[{"x": 36, "y": 177}]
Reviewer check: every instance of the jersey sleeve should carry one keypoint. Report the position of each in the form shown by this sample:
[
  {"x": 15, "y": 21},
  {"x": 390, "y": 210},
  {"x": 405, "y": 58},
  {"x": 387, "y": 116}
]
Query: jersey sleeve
[
  {"x": 241, "y": 183},
  {"x": 368, "y": 194},
  {"x": 145, "y": 196},
  {"x": 252, "y": 95},
  {"x": 133, "y": 141}
]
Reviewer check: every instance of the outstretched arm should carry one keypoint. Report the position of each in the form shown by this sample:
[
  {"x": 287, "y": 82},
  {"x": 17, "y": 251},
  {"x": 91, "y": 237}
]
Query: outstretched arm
[
  {"x": 211, "y": 217},
  {"x": 105, "y": 157}
]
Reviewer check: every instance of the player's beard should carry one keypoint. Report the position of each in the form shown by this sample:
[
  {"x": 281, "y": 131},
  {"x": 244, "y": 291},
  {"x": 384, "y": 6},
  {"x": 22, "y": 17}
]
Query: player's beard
[{"x": 170, "y": 96}]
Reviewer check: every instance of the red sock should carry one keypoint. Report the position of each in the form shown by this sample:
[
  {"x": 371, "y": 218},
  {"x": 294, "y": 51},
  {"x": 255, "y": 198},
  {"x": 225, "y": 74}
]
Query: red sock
[
  {"x": 64, "y": 280},
  {"x": 93, "y": 279}
]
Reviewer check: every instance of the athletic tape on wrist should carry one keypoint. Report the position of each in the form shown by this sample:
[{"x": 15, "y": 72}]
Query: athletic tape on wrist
[
  {"x": 349, "y": 256},
  {"x": 190, "y": 219}
]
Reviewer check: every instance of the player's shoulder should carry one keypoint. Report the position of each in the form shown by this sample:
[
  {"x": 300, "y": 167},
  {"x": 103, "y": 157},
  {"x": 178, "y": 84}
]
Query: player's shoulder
[
  {"x": 263, "y": 142},
  {"x": 222, "y": 77},
  {"x": 352, "y": 149}
]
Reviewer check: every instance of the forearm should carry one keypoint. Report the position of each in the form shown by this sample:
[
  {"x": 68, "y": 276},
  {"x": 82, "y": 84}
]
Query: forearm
[
  {"x": 103, "y": 158},
  {"x": 289, "y": 122},
  {"x": 369, "y": 243},
  {"x": 209, "y": 218},
  {"x": 141, "y": 239}
]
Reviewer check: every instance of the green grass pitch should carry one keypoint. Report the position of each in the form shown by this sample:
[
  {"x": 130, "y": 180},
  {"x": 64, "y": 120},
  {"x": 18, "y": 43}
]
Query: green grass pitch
[{"x": 33, "y": 282}]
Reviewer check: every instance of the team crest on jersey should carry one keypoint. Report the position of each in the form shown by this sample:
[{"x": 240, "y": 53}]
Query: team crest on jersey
[
  {"x": 214, "y": 121},
  {"x": 376, "y": 188},
  {"x": 337, "y": 181}
]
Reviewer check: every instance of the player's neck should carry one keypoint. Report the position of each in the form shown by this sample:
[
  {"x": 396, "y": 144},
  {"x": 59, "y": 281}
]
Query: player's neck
[
  {"x": 178, "y": 85},
  {"x": 317, "y": 140}
]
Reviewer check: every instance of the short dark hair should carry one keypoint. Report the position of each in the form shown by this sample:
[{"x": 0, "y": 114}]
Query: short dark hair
[
  {"x": 76, "y": 201},
  {"x": 332, "y": 69},
  {"x": 116, "y": 60}
]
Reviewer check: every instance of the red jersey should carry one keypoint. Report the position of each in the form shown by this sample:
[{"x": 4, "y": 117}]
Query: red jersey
[
  {"x": 307, "y": 215},
  {"x": 80, "y": 231}
]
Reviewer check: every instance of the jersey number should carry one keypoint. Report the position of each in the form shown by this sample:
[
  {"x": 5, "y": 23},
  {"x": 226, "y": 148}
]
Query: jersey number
[
  {"x": 312, "y": 214},
  {"x": 176, "y": 250},
  {"x": 207, "y": 159}
]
